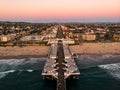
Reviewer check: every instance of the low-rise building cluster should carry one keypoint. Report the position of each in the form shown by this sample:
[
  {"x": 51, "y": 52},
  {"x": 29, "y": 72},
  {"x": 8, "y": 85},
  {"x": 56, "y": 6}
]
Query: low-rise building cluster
[
  {"x": 21, "y": 32},
  {"x": 92, "y": 32}
]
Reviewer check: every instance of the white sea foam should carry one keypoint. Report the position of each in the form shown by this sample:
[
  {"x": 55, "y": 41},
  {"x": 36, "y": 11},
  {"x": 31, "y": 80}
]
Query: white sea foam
[
  {"x": 3, "y": 74},
  {"x": 112, "y": 69},
  {"x": 20, "y": 61},
  {"x": 11, "y": 65},
  {"x": 11, "y": 61},
  {"x": 7, "y": 64},
  {"x": 98, "y": 57},
  {"x": 30, "y": 70}
]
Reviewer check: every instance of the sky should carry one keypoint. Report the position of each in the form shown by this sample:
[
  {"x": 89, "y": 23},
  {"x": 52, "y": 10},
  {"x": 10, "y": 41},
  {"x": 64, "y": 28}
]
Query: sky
[{"x": 60, "y": 10}]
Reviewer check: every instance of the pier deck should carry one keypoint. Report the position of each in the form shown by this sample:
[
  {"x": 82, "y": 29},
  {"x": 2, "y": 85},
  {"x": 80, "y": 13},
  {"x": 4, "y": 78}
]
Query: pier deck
[
  {"x": 61, "y": 85},
  {"x": 60, "y": 65}
]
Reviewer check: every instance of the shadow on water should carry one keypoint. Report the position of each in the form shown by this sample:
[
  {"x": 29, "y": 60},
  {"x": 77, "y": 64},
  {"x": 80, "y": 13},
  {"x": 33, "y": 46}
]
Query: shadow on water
[
  {"x": 49, "y": 85},
  {"x": 26, "y": 81},
  {"x": 94, "y": 79}
]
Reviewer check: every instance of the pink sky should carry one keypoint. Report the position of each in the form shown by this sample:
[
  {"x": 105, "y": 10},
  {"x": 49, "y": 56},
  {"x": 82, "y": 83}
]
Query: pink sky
[{"x": 58, "y": 9}]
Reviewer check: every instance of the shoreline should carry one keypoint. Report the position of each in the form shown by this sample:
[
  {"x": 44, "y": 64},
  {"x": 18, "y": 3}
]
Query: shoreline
[
  {"x": 83, "y": 61},
  {"x": 42, "y": 51},
  {"x": 41, "y": 56},
  {"x": 23, "y": 57}
]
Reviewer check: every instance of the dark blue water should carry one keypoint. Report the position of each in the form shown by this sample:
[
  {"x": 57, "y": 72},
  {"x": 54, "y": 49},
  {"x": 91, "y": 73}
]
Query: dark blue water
[
  {"x": 94, "y": 79},
  {"x": 25, "y": 74}
]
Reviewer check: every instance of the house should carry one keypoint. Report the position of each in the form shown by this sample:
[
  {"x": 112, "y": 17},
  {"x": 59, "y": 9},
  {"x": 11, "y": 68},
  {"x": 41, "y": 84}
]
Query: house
[
  {"x": 88, "y": 37},
  {"x": 7, "y": 38},
  {"x": 116, "y": 37},
  {"x": 32, "y": 38}
]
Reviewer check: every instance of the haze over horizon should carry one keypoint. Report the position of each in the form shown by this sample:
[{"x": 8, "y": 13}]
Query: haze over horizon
[{"x": 60, "y": 10}]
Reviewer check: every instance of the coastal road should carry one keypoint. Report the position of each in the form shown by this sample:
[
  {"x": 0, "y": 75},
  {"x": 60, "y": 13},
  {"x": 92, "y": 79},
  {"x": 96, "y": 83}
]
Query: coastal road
[{"x": 60, "y": 34}]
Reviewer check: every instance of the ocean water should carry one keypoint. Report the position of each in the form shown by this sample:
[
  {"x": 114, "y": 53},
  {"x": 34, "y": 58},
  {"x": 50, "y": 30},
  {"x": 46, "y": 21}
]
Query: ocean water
[{"x": 25, "y": 74}]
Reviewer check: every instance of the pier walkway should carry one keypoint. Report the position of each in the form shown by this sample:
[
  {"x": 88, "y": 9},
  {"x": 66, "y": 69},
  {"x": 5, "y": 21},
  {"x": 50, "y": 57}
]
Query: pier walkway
[
  {"x": 60, "y": 64},
  {"x": 61, "y": 85}
]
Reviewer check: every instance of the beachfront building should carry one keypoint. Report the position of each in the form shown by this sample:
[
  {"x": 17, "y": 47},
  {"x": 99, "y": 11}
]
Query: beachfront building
[
  {"x": 7, "y": 38},
  {"x": 65, "y": 41},
  {"x": 116, "y": 37},
  {"x": 32, "y": 38},
  {"x": 88, "y": 37}
]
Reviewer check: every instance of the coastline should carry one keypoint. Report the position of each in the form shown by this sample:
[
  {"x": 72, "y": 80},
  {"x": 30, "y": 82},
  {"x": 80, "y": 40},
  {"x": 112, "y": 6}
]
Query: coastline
[
  {"x": 17, "y": 52},
  {"x": 22, "y": 57}
]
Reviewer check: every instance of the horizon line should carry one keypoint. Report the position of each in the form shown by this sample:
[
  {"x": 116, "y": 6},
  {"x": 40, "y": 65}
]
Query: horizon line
[{"x": 25, "y": 21}]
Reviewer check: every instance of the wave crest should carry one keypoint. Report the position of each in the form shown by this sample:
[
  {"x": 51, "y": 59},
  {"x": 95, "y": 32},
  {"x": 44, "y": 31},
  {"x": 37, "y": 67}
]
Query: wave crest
[
  {"x": 112, "y": 69},
  {"x": 3, "y": 74}
]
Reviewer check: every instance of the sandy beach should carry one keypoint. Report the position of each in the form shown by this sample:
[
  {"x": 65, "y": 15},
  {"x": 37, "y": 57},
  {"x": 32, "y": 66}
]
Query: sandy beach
[
  {"x": 96, "y": 48},
  {"x": 23, "y": 52},
  {"x": 42, "y": 51}
]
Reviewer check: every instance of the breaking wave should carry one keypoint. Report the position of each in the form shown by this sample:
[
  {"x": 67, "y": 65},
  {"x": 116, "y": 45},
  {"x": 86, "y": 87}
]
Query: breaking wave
[
  {"x": 3, "y": 74},
  {"x": 112, "y": 69},
  {"x": 87, "y": 61},
  {"x": 8, "y": 66},
  {"x": 99, "y": 57},
  {"x": 30, "y": 70}
]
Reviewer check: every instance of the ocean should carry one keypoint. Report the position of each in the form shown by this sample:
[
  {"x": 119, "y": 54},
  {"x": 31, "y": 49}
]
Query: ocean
[{"x": 25, "y": 74}]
